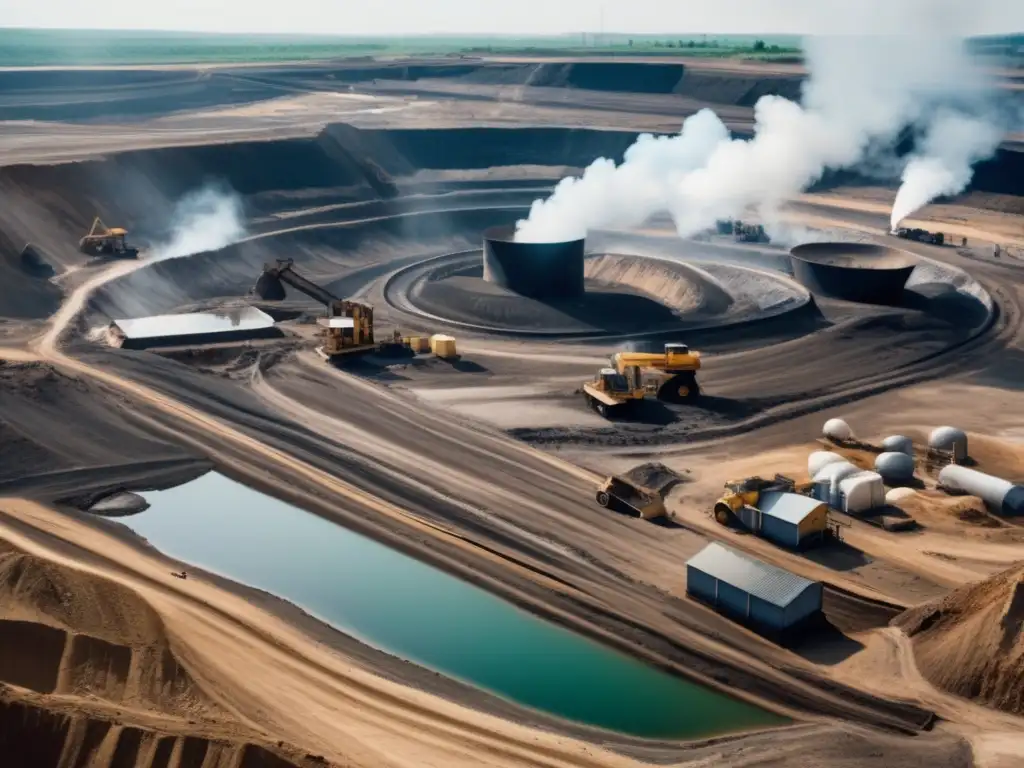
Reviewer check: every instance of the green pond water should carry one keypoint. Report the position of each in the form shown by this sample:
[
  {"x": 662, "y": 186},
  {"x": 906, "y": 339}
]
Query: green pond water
[{"x": 419, "y": 613}]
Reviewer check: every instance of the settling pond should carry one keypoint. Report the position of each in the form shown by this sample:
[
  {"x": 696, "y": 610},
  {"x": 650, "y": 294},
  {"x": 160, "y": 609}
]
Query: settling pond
[{"x": 419, "y": 613}]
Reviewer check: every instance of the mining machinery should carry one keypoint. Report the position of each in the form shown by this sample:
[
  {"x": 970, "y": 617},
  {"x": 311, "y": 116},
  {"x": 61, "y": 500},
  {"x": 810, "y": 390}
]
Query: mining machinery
[
  {"x": 671, "y": 375},
  {"x": 346, "y": 329},
  {"x": 612, "y": 391},
  {"x": 102, "y": 240},
  {"x": 747, "y": 493},
  {"x": 920, "y": 235}
]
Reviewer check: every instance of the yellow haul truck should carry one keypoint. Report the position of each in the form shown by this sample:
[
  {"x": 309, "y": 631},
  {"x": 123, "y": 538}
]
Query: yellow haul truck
[
  {"x": 671, "y": 375},
  {"x": 611, "y": 391}
]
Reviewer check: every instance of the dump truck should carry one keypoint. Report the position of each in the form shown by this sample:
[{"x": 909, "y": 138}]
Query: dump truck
[
  {"x": 611, "y": 392},
  {"x": 671, "y": 376},
  {"x": 640, "y": 492},
  {"x": 346, "y": 329},
  {"x": 102, "y": 240}
]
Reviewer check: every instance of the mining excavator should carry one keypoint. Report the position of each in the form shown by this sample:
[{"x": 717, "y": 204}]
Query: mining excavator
[
  {"x": 346, "y": 329},
  {"x": 671, "y": 375},
  {"x": 102, "y": 240}
]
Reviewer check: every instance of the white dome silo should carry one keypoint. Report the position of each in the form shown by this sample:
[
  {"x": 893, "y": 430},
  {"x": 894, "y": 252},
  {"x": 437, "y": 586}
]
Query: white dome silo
[
  {"x": 818, "y": 460},
  {"x": 838, "y": 430},
  {"x": 827, "y": 480},
  {"x": 949, "y": 439},
  {"x": 861, "y": 492},
  {"x": 898, "y": 444},
  {"x": 895, "y": 467}
]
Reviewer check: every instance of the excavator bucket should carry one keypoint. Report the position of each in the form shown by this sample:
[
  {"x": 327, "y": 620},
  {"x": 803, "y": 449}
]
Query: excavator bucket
[{"x": 269, "y": 287}]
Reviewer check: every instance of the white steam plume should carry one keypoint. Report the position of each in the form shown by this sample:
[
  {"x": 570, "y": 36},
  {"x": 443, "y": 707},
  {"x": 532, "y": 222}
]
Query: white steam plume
[
  {"x": 626, "y": 195},
  {"x": 944, "y": 164},
  {"x": 204, "y": 220},
  {"x": 860, "y": 95}
]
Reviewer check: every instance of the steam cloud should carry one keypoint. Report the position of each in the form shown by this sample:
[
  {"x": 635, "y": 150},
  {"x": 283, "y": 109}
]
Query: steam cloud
[
  {"x": 204, "y": 220},
  {"x": 861, "y": 95}
]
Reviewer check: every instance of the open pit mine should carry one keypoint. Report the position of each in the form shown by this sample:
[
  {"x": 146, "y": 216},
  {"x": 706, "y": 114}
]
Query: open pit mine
[{"x": 320, "y": 466}]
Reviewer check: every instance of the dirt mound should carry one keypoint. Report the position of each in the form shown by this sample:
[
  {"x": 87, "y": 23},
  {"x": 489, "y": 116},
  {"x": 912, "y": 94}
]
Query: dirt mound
[
  {"x": 64, "y": 631},
  {"x": 970, "y": 643},
  {"x": 677, "y": 286},
  {"x": 656, "y": 477},
  {"x": 26, "y": 292}
]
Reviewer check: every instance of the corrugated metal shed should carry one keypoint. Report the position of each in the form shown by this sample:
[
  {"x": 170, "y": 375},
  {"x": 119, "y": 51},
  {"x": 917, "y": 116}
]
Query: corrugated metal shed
[
  {"x": 791, "y": 507},
  {"x": 771, "y": 584},
  {"x": 193, "y": 328},
  {"x": 752, "y": 591}
]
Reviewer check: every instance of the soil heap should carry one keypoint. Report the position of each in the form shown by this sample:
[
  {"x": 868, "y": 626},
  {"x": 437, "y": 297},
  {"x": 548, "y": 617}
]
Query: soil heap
[{"x": 970, "y": 642}]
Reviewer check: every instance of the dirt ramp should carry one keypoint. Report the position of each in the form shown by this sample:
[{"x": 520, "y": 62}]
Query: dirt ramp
[{"x": 971, "y": 642}]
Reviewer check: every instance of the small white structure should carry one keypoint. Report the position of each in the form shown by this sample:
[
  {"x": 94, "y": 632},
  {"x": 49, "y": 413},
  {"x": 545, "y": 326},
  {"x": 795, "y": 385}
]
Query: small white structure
[
  {"x": 861, "y": 492},
  {"x": 896, "y": 495},
  {"x": 950, "y": 440},
  {"x": 837, "y": 430},
  {"x": 818, "y": 460},
  {"x": 895, "y": 467},
  {"x": 827, "y": 481},
  {"x": 898, "y": 444}
]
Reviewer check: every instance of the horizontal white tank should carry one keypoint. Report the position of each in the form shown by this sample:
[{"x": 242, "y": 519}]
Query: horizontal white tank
[
  {"x": 837, "y": 429},
  {"x": 949, "y": 439},
  {"x": 898, "y": 444},
  {"x": 1001, "y": 495},
  {"x": 818, "y": 460},
  {"x": 861, "y": 492},
  {"x": 895, "y": 467}
]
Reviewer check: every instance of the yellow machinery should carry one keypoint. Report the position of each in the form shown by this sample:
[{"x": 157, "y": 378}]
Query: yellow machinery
[
  {"x": 105, "y": 241},
  {"x": 672, "y": 375},
  {"x": 740, "y": 494},
  {"x": 620, "y": 494},
  {"x": 612, "y": 391},
  {"x": 347, "y": 327}
]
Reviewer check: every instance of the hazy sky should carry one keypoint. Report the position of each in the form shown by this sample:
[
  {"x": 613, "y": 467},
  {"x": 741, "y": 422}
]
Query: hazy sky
[{"x": 371, "y": 17}]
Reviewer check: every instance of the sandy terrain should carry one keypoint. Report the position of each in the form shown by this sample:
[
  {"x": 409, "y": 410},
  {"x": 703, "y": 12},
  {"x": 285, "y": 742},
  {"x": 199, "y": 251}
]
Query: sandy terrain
[{"x": 485, "y": 468}]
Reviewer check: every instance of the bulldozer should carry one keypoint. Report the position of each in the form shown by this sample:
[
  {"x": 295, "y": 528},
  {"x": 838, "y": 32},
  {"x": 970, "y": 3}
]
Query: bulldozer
[
  {"x": 346, "y": 329},
  {"x": 747, "y": 493},
  {"x": 611, "y": 392},
  {"x": 102, "y": 240},
  {"x": 671, "y": 376}
]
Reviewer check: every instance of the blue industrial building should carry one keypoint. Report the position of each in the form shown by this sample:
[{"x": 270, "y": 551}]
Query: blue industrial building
[
  {"x": 788, "y": 519},
  {"x": 765, "y": 597}
]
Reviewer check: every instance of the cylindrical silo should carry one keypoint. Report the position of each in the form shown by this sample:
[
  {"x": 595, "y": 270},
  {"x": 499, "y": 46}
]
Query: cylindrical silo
[
  {"x": 951, "y": 440},
  {"x": 898, "y": 444},
  {"x": 895, "y": 467},
  {"x": 1000, "y": 495},
  {"x": 818, "y": 460},
  {"x": 861, "y": 492},
  {"x": 830, "y": 476},
  {"x": 838, "y": 430}
]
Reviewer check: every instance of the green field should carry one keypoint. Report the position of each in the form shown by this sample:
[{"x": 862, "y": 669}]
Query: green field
[{"x": 67, "y": 48}]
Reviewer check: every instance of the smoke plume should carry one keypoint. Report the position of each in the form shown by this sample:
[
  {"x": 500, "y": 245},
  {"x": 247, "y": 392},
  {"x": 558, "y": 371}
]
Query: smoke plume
[
  {"x": 954, "y": 142},
  {"x": 204, "y": 220},
  {"x": 861, "y": 95}
]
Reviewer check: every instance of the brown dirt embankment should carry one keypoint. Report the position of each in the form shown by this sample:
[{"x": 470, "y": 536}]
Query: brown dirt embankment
[{"x": 971, "y": 642}]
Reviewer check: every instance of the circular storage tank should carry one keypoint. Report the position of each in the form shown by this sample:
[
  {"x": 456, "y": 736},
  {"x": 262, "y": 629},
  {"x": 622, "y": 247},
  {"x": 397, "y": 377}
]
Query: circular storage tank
[
  {"x": 949, "y": 439},
  {"x": 898, "y": 444},
  {"x": 838, "y": 430},
  {"x": 895, "y": 467},
  {"x": 818, "y": 460},
  {"x": 537, "y": 270},
  {"x": 865, "y": 272}
]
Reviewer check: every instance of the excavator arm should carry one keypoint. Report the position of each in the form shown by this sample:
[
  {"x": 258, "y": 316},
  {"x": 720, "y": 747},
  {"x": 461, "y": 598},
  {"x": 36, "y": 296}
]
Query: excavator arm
[{"x": 269, "y": 286}]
